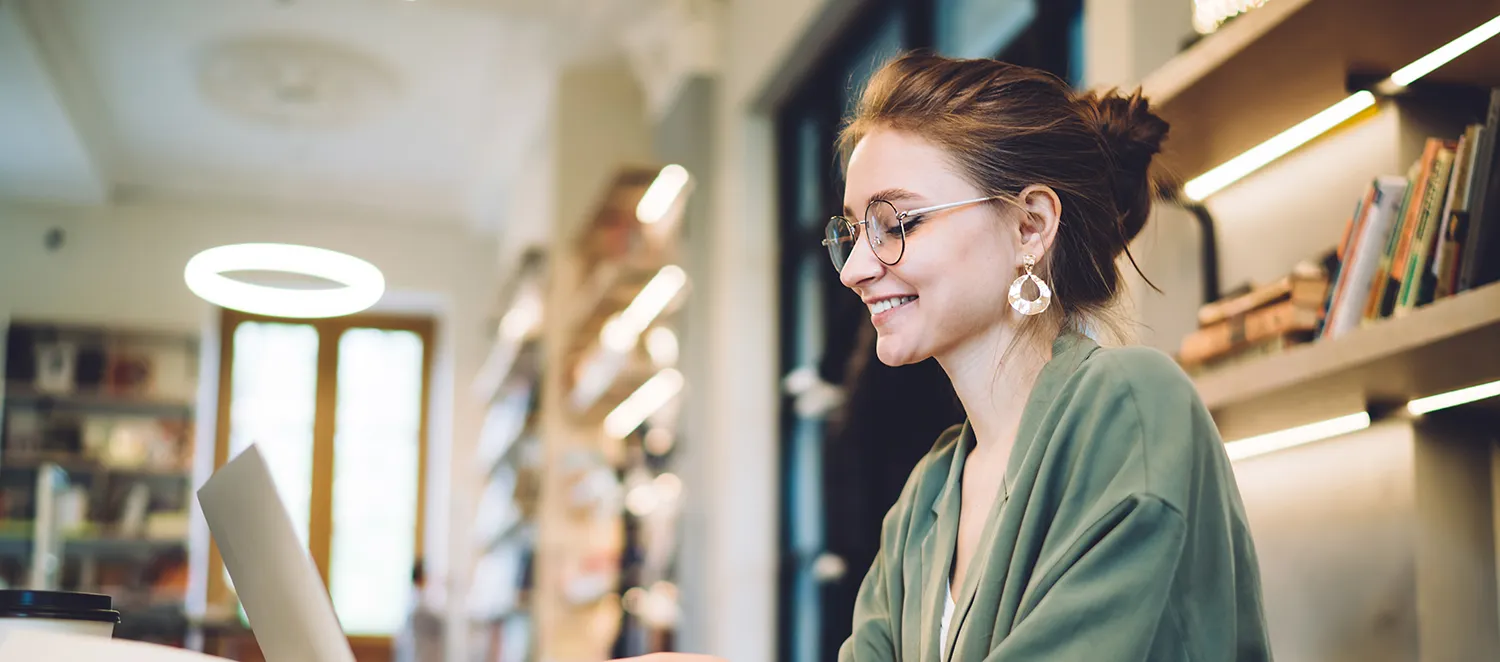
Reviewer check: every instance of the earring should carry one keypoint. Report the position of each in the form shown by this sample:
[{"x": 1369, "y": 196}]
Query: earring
[{"x": 1043, "y": 293}]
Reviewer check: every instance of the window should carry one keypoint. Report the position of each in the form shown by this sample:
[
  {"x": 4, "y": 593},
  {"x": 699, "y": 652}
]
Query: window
[
  {"x": 339, "y": 409},
  {"x": 981, "y": 28}
]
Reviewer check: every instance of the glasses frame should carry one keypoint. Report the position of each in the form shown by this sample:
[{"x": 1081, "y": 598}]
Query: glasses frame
[{"x": 901, "y": 218}]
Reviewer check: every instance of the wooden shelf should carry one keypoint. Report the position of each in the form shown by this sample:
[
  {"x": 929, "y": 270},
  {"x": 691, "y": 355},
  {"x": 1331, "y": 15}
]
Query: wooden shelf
[
  {"x": 100, "y": 403},
  {"x": 1449, "y": 344},
  {"x": 1210, "y": 52},
  {"x": 75, "y": 464},
  {"x": 1278, "y": 65},
  {"x": 100, "y": 548}
]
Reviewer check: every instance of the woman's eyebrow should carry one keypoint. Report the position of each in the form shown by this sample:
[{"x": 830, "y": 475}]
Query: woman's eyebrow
[{"x": 888, "y": 195}]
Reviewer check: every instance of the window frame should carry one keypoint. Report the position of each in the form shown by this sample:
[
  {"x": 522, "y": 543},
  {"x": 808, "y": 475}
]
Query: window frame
[{"x": 320, "y": 521}]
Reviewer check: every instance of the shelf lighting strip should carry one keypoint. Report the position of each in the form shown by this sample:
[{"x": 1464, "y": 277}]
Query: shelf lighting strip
[
  {"x": 1461, "y": 396},
  {"x": 645, "y": 401},
  {"x": 1259, "y": 156},
  {"x": 1305, "y": 434}
]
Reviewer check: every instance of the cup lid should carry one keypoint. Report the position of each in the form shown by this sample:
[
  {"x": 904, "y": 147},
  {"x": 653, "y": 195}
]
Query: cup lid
[{"x": 62, "y": 605}]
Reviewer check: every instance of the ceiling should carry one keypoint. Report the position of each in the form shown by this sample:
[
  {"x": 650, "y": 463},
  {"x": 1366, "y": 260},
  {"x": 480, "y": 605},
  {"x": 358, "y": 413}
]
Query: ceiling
[{"x": 416, "y": 109}]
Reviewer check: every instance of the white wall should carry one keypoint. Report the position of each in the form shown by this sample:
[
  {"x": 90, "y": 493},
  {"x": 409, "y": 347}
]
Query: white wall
[
  {"x": 123, "y": 266},
  {"x": 738, "y": 452}
]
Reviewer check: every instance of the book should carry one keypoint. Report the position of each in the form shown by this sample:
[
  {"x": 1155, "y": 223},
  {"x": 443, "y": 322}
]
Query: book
[
  {"x": 1481, "y": 251},
  {"x": 1309, "y": 289},
  {"x": 1434, "y": 197},
  {"x": 1387, "y": 284},
  {"x": 1444, "y": 273},
  {"x": 1251, "y": 327},
  {"x": 1266, "y": 347},
  {"x": 1348, "y": 246},
  {"x": 1359, "y": 269}
]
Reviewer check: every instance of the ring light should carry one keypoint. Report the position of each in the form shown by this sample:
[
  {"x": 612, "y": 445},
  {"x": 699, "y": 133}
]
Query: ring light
[{"x": 362, "y": 282}]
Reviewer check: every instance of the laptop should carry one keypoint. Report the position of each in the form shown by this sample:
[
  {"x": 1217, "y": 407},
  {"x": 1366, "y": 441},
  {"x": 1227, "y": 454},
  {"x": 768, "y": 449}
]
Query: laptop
[{"x": 288, "y": 608}]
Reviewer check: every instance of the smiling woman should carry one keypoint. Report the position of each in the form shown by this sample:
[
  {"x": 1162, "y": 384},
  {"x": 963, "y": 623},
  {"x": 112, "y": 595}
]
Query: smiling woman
[{"x": 1085, "y": 510}]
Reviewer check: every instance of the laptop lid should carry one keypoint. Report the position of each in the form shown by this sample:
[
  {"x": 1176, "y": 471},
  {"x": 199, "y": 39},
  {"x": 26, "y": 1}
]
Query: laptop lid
[{"x": 278, "y": 584}]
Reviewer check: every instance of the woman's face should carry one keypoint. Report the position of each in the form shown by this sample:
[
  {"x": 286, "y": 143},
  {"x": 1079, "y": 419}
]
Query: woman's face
[{"x": 953, "y": 276}]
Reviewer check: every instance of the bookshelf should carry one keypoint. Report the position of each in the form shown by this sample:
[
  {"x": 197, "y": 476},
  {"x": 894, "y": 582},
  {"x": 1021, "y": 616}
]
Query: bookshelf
[
  {"x": 96, "y": 447},
  {"x": 600, "y": 553},
  {"x": 1277, "y": 65},
  {"x": 508, "y": 462},
  {"x": 1446, "y": 345},
  {"x": 1424, "y": 491}
]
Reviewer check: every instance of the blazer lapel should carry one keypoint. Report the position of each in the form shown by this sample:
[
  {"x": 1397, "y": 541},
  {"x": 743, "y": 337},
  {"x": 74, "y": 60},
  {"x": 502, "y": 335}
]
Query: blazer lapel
[
  {"x": 1069, "y": 350},
  {"x": 937, "y": 552}
]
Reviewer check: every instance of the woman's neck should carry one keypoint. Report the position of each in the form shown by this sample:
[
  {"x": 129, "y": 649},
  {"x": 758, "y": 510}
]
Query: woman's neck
[{"x": 995, "y": 393}]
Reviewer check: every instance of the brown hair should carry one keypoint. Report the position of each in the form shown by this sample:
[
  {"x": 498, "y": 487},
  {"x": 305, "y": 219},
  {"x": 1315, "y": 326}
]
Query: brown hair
[{"x": 1007, "y": 127}]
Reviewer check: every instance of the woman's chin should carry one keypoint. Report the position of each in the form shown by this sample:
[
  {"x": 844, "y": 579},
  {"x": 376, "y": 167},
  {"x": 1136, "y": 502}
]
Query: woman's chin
[{"x": 895, "y": 354}]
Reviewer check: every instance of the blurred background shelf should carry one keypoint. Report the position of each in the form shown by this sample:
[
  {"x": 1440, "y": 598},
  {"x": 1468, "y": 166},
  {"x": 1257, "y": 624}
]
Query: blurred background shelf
[
  {"x": 96, "y": 445},
  {"x": 97, "y": 548},
  {"x": 76, "y": 465},
  {"x": 101, "y": 403}
]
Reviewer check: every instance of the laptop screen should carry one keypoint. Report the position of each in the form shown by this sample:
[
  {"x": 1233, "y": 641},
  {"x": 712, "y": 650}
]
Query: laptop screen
[{"x": 277, "y": 582}]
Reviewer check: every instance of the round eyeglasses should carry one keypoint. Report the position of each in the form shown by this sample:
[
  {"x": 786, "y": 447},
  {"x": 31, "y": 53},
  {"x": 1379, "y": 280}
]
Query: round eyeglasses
[{"x": 883, "y": 227}]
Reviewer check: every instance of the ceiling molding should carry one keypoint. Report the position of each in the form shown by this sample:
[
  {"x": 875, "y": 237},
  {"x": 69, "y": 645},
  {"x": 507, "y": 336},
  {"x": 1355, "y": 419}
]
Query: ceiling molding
[
  {"x": 47, "y": 34},
  {"x": 670, "y": 44}
]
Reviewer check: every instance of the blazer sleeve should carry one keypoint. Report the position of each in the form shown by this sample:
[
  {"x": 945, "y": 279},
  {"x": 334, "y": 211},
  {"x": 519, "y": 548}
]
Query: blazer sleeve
[
  {"x": 1106, "y": 601},
  {"x": 871, "y": 639},
  {"x": 874, "y": 637}
]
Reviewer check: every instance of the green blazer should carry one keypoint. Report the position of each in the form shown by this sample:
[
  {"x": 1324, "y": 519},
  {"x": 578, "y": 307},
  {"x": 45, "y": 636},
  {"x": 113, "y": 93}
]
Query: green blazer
[{"x": 1123, "y": 539}]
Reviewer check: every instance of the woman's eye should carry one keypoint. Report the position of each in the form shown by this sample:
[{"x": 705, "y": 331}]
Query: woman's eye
[{"x": 911, "y": 223}]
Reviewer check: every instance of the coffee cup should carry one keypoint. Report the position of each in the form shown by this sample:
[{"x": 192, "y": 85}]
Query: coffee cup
[{"x": 79, "y": 613}]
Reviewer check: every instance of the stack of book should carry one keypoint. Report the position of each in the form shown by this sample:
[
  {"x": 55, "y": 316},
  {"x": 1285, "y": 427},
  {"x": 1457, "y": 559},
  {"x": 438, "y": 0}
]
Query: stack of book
[
  {"x": 1423, "y": 236},
  {"x": 1265, "y": 319}
]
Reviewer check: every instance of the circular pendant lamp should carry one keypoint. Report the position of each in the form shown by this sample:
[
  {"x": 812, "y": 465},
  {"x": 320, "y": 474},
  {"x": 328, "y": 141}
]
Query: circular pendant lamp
[{"x": 362, "y": 283}]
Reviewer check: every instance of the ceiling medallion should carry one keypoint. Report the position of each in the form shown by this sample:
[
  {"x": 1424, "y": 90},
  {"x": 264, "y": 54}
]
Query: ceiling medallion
[
  {"x": 295, "y": 81},
  {"x": 362, "y": 283}
]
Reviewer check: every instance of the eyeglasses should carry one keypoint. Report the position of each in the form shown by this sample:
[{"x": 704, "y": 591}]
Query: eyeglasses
[{"x": 884, "y": 229}]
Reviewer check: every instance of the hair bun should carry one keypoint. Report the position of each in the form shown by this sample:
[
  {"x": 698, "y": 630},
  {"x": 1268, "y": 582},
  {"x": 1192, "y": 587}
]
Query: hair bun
[{"x": 1133, "y": 134}]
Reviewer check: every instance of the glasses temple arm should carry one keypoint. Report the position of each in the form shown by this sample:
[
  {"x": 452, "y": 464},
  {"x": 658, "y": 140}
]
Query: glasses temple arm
[{"x": 951, "y": 205}]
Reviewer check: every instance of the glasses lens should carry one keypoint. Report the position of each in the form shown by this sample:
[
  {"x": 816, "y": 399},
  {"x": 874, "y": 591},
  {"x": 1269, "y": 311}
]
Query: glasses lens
[
  {"x": 839, "y": 238},
  {"x": 887, "y": 237}
]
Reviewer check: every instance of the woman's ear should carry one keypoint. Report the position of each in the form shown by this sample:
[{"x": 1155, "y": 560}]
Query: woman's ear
[{"x": 1039, "y": 226}]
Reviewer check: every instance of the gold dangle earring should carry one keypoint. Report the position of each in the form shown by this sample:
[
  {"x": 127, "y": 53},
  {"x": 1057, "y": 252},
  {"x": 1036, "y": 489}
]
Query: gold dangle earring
[{"x": 1043, "y": 293}]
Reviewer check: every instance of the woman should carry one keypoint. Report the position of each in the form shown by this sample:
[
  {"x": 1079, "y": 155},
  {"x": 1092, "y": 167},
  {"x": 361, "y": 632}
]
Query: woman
[{"x": 1085, "y": 511}]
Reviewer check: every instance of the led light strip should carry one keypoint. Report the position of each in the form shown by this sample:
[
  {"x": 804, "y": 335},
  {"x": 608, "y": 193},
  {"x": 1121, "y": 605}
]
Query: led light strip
[
  {"x": 1257, "y": 157},
  {"x": 1462, "y": 396},
  {"x": 664, "y": 191},
  {"x": 1297, "y": 436},
  {"x": 640, "y": 405},
  {"x": 622, "y": 331}
]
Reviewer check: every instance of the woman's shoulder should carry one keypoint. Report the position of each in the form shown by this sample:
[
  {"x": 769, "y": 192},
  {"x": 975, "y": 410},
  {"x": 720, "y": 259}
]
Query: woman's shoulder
[
  {"x": 1135, "y": 409},
  {"x": 1144, "y": 374}
]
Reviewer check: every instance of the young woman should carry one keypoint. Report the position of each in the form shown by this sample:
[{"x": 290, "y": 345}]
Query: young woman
[{"x": 1085, "y": 511}]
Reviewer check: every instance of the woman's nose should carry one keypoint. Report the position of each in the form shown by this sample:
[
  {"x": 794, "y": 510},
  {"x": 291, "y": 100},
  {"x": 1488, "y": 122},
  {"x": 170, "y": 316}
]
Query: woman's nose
[{"x": 862, "y": 265}]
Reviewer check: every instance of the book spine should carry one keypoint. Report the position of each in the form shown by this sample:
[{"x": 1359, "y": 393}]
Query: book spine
[
  {"x": 1219, "y": 311},
  {"x": 1251, "y": 327},
  {"x": 1484, "y": 203},
  {"x": 1348, "y": 251},
  {"x": 1450, "y": 240},
  {"x": 1383, "y": 302},
  {"x": 1434, "y": 199},
  {"x": 1363, "y": 268}
]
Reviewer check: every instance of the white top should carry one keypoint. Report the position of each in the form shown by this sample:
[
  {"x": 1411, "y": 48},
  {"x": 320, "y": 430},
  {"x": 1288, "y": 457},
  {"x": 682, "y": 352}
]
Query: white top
[{"x": 943, "y": 629}]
